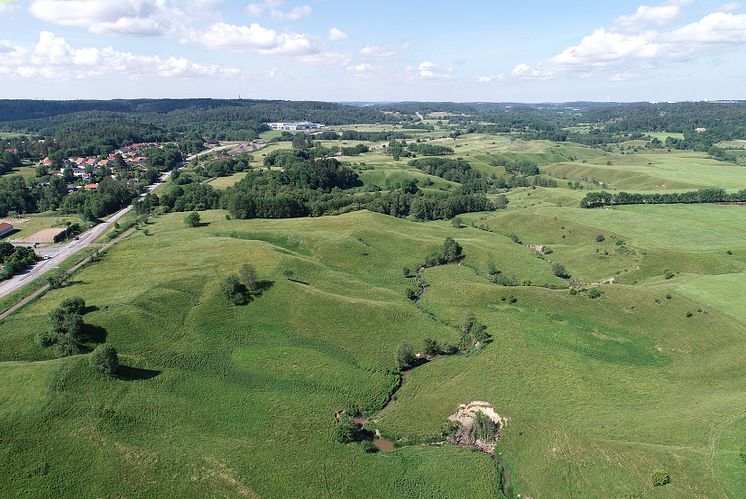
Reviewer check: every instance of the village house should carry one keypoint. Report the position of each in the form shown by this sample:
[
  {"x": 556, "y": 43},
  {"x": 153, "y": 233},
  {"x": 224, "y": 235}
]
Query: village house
[{"x": 5, "y": 229}]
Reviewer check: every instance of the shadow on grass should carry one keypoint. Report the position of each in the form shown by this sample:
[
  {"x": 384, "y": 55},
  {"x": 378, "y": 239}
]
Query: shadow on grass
[
  {"x": 260, "y": 288},
  {"x": 89, "y": 309},
  {"x": 93, "y": 334},
  {"x": 127, "y": 373}
]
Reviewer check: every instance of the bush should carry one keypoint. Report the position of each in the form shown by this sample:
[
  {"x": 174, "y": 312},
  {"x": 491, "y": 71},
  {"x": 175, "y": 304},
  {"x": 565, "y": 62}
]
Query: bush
[
  {"x": 600, "y": 238},
  {"x": 192, "y": 220},
  {"x": 105, "y": 359},
  {"x": 452, "y": 251},
  {"x": 45, "y": 338},
  {"x": 73, "y": 305},
  {"x": 430, "y": 347},
  {"x": 660, "y": 478},
  {"x": 369, "y": 447},
  {"x": 405, "y": 356},
  {"x": 57, "y": 280},
  {"x": 235, "y": 291},
  {"x": 594, "y": 293},
  {"x": 669, "y": 274},
  {"x": 456, "y": 222},
  {"x": 559, "y": 270},
  {"x": 66, "y": 345},
  {"x": 248, "y": 276},
  {"x": 345, "y": 430},
  {"x": 408, "y": 273}
]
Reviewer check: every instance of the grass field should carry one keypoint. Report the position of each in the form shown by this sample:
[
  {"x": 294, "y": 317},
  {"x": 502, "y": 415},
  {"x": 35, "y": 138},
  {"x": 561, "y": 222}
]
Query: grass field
[{"x": 220, "y": 400}]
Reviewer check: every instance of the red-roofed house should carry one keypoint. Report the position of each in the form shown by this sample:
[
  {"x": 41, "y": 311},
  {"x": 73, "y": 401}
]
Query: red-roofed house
[
  {"x": 5, "y": 229},
  {"x": 90, "y": 186},
  {"x": 47, "y": 162}
]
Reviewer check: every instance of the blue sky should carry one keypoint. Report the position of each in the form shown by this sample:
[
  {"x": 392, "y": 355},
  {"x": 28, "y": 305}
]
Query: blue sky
[{"x": 528, "y": 51}]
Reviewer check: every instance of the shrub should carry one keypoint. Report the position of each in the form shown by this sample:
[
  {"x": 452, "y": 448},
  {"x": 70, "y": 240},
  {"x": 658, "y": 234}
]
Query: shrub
[
  {"x": 105, "y": 359},
  {"x": 192, "y": 220},
  {"x": 368, "y": 447},
  {"x": 559, "y": 270},
  {"x": 729, "y": 252},
  {"x": 430, "y": 347},
  {"x": 405, "y": 356},
  {"x": 45, "y": 338},
  {"x": 484, "y": 428},
  {"x": 345, "y": 430},
  {"x": 452, "y": 251},
  {"x": 660, "y": 478},
  {"x": 516, "y": 239},
  {"x": 600, "y": 238},
  {"x": 594, "y": 293},
  {"x": 57, "y": 280},
  {"x": 248, "y": 276},
  {"x": 235, "y": 291},
  {"x": 456, "y": 222},
  {"x": 408, "y": 272},
  {"x": 668, "y": 296},
  {"x": 669, "y": 274},
  {"x": 73, "y": 305},
  {"x": 66, "y": 345}
]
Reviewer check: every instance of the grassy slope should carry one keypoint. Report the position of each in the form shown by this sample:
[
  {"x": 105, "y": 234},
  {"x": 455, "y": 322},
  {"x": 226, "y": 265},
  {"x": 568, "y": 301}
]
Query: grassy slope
[{"x": 599, "y": 392}]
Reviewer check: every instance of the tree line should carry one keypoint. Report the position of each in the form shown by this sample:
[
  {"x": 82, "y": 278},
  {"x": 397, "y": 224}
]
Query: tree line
[{"x": 707, "y": 195}]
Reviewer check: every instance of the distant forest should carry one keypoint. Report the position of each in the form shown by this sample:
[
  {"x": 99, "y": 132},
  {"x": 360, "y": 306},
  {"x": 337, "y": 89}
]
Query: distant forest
[{"x": 165, "y": 119}]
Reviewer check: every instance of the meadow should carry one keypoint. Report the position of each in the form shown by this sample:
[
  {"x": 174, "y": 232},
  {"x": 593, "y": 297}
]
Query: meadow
[{"x": 224, "y": 400}]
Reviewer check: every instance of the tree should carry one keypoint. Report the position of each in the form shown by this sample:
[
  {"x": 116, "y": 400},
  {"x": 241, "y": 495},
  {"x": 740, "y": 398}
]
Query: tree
[
  {"x": 452, "y": 251},
  {"x": 235, "y": 291},
  {"x": 73, "y": 305},
  {"x": 248, "y": 276},
  {"x": 105, "y": 359},
  {"x": 192, "y": 220},
  {"x": 405, "y": 356},
  {"x": 559, "y": 270}
]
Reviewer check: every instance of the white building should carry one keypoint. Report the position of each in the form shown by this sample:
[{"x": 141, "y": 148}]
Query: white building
[{"x": 293, "y": 126}]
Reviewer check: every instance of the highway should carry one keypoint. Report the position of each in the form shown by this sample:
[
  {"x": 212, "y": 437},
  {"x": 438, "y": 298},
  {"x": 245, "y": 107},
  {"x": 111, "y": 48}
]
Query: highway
[{"x": 58, "y": 254}]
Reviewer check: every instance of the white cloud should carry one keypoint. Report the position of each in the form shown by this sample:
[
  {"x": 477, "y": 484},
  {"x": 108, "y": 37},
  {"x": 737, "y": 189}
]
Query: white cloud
[
  {"x": 326, "y": 59},
  {"x": 427, "y": 70},
  {"x": 272, "y": 7},
  {"x": 121, "y": 17},
  {"x": 336, "y": 34},
  {"x": 659, "y": 15},
  {"x": 365, "y": 71},
  {"x": 54, "y": 58},
  {"x": 374, "y": 51},
  {"x": 622, "y": 49},
  {"x": 256, "y": 38}
]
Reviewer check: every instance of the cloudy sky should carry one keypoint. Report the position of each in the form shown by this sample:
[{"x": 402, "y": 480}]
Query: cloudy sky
[{"x": 352, "y": 50}]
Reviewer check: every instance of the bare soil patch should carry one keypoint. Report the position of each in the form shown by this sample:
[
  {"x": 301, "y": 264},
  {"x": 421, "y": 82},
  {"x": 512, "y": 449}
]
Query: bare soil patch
[{"x": 43, "y": 236}]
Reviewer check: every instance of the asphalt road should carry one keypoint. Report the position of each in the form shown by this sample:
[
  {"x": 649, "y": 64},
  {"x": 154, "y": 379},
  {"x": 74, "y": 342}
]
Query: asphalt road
[{"x": 59, "y": 254}]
